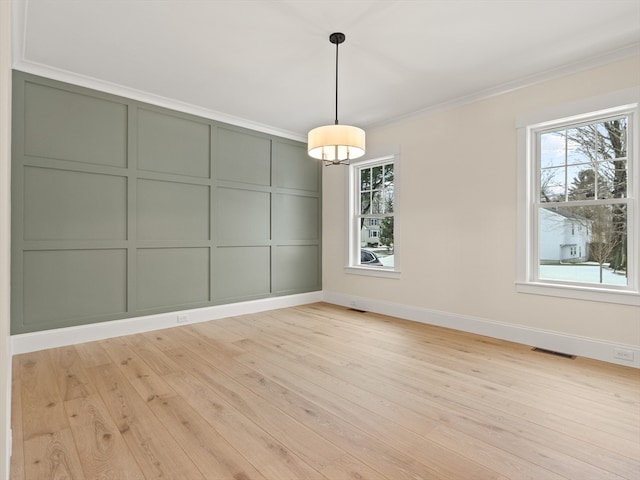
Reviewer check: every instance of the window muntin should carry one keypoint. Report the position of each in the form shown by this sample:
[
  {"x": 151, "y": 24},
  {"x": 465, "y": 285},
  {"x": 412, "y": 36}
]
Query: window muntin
[
  {"x": 534, "y": 277},
  {"x": 582, "y": 185},
  {"x": 583, "y": 244},
  {"x": 588, "y": 162},
  {"x": 372, "y": 230}
]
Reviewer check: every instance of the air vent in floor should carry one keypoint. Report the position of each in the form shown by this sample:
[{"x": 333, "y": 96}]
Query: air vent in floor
[{"x": 551, "y": 352}]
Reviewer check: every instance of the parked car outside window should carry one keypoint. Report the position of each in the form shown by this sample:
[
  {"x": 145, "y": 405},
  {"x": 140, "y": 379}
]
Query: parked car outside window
[{"x": 369, "y": 258}]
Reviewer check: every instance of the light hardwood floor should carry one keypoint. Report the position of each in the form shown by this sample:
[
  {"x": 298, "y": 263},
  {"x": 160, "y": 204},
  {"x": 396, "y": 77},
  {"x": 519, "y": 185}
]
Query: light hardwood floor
[{"x": 320, "y": 392}]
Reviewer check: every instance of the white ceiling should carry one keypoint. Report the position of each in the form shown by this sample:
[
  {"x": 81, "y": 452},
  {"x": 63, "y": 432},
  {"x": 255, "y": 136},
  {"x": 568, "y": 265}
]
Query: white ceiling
[{"x": 270, "y": 63}]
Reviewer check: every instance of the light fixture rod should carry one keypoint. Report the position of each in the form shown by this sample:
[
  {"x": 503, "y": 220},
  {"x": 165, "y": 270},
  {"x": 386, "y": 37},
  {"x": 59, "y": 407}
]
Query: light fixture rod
[
  {"x": 337, "y": 83},
  {"x": 337, "y": 38}
]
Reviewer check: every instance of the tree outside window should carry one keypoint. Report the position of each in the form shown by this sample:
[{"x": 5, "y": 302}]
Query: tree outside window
[{"x": 583, "y": 182}]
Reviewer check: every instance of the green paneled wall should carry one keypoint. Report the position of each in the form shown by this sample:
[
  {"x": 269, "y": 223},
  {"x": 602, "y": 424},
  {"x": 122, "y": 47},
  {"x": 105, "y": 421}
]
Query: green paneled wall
[{"x": 123, "y": 209}]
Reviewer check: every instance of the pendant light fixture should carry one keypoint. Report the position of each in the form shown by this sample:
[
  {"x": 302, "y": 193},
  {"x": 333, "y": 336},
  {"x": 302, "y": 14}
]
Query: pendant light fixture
[{"x": 336, "y": 144}]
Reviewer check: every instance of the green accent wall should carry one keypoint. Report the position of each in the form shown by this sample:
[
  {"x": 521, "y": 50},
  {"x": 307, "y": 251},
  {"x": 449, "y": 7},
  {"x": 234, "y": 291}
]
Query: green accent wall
[{"x": 123, "y": 209}]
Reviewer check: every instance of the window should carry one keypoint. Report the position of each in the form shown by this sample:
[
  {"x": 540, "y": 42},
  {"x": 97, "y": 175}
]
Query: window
[
  {"x": 373, "y": 219},
  {"x": 578, "y": 203}
]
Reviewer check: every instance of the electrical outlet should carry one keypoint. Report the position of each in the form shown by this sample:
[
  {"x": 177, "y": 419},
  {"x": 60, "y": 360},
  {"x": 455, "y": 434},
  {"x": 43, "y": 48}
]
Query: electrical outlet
[
  {"x": 183, "y": 318},
  {"x": 622, "y": 354}
]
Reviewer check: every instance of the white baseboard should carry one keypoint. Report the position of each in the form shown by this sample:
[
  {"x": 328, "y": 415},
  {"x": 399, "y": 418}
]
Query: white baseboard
[
  {"x": 546, "y": 339},
  {"x": 30, "y": 342},
  {"x": 549, "y": 340}
]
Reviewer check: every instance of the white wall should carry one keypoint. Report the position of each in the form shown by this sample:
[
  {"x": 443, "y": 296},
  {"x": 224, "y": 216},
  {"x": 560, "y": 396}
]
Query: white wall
[
  {"x": 458, "y": 213},
  {"x": 5, "y": 155}
]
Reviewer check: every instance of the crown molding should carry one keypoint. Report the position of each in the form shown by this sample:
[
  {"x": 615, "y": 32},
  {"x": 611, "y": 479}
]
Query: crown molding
[
  {"x": 150, "y": 98},
  {"x": 524, "y": 82},
  {"x": 19, "y": 15},
  {"x": 19, "y": 31}
]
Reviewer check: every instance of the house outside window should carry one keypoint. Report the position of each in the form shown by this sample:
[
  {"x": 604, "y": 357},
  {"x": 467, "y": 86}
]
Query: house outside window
[
  {"x": 373, "y": 216},
  {"x": 578, "y": 205}
]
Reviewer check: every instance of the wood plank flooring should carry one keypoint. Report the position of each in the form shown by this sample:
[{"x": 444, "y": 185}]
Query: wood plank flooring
[{"x": 320, "y": 392}]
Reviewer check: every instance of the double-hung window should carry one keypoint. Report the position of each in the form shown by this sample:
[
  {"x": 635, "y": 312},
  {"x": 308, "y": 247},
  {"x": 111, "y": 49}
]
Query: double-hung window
[
  {"x": 578, "y": 201},
  {"x": 373, "y": 202}
]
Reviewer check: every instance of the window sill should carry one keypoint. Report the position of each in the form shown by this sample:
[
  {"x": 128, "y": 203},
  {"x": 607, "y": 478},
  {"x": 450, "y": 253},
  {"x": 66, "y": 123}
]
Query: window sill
[
  {"x": 373, "y": 272},
  {"x": 622, "y": 297}
]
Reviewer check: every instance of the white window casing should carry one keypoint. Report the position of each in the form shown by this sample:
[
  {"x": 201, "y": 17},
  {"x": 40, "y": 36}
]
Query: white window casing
[
  {"x": 529, "y": 127},
  {"x": 353, "y": 265}
]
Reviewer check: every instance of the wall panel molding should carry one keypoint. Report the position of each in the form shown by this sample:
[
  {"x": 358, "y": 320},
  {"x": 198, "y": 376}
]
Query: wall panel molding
[{"x": 200, "y": 213}]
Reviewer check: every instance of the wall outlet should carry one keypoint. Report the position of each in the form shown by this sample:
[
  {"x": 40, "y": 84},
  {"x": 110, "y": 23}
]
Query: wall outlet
[
  {"x": 622, "y": 354},
  {"x": 183, "y": 318}
]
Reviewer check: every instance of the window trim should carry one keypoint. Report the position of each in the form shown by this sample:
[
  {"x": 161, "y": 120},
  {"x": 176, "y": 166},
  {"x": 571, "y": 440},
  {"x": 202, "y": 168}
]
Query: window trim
[
  {"x": 527, "y": 244},
  {"x": 352, "y": 256}
]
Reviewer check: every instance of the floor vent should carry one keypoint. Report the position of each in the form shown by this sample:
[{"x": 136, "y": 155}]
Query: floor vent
[
  {"x": 551, "y": 352},
  {"x": 357, "y": 310}
]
